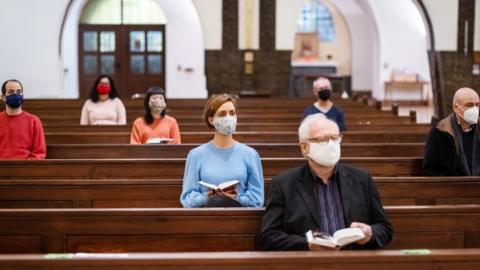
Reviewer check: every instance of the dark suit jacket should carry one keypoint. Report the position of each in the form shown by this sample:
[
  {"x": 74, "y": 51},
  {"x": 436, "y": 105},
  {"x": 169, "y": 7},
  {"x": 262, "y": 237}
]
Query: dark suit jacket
[{"x": 292, "y": 208}]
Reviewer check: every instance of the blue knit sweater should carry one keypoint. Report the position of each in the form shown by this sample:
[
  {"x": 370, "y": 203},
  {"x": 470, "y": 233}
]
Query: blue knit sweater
[{"x": 216, "y": 165}]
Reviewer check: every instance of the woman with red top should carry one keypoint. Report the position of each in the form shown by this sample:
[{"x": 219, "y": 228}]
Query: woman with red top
[{"x": 155, "y": 126}]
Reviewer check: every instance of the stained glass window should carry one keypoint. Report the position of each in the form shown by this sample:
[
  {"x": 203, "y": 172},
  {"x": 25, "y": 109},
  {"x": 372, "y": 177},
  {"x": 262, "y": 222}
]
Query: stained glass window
[{"x": 315, "y": 17}]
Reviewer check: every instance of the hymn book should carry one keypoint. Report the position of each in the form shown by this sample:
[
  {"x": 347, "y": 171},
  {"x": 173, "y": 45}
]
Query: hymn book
[
  {"x": 339, "y": 239},
  {"x": 159, "y": 140},
  {"x": 221, "y": 187}
]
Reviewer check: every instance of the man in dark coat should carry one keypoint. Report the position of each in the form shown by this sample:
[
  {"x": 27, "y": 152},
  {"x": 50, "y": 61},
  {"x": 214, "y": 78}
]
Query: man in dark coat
[
  {"x": 453, "y": 145},
  {"x": 322, "y": 195}
]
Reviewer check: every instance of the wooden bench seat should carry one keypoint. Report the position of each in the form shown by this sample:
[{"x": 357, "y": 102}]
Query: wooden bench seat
[
  {"x": 245, "y": 137},
  {"x": 175, "y": 230},
  {"x": 130, "y": 193},
  {"x": 173, "y": 168},
  {"x": 78, "y": 151},
  {"x": 465, "y": 259}
]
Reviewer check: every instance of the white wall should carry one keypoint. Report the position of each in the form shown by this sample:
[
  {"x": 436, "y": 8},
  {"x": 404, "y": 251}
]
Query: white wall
[
  {"x": 340, "y": 49},
  {"x": 364, "y": 39},
  {"x": 182, "y": 30},
  {"x": 29, "y": 45},
  {"x": 287, "y": 12},
  {"x": 210, "y": 12},
  {"x": 69, "y": 49},
  {"x": 403, "y": 42},
  {"x": 444, "y": 16},
  {"x": 184, "y": 50},
  {"x": 476, "y": 41}
]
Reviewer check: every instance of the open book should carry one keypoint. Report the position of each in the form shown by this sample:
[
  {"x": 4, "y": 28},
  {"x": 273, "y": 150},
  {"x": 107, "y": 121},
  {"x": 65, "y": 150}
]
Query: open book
[
  {"x": 339, "y": 239},
  {"x": 159, "y": 140},
  {"x": 220, "y": 187}
]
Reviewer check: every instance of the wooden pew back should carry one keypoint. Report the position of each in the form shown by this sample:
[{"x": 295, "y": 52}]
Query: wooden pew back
[
  {"x": 245, "y": 137},
  {"x": 173, "y": 168},
  {"x": 79, "y": 151},
  {"x": 171, "y": 230},
  {"x": 131, "y": 193}
]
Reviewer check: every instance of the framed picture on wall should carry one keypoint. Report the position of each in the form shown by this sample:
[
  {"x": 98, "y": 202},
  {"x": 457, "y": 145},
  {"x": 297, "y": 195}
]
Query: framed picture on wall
[{"x": 306, "y": 47}]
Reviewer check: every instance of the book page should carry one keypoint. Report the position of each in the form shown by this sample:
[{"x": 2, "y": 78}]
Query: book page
[
  {"x": 321, "y": 239},
  {"x": 227, "y": 184},
  {"x": 348, "y": 235},
  {"x": 208, "y": 185},
  {"x": 159, "y": 140}
]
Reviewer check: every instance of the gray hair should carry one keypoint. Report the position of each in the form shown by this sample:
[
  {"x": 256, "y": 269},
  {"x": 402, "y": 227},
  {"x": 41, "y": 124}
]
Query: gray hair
[
  {"x": 304, "y": 128},
  {"x": 320, "y": 79}
]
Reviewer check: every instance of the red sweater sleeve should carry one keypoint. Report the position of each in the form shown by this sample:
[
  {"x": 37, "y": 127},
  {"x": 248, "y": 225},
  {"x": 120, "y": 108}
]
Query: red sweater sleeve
[{"x": 39, "y": 148}]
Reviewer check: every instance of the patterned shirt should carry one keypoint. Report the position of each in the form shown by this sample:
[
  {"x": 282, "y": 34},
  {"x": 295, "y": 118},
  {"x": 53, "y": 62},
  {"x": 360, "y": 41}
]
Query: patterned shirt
[{"x": 329, "y": 204}]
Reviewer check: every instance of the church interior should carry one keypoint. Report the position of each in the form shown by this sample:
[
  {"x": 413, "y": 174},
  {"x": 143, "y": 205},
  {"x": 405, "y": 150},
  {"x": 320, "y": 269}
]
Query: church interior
[{"x": 99, "y": 201}]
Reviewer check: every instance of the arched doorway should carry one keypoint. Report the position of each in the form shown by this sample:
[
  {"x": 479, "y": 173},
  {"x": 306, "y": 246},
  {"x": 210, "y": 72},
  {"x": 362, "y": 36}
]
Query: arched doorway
[
  {"x": 184, "y": 59},
  {"x": 125, "y": 40}
]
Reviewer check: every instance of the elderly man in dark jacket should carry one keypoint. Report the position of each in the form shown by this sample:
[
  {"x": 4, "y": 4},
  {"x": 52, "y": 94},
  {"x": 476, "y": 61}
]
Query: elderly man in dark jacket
[
  {"x": 322, "y": 195},
  {"x": 453, "y": 145}
]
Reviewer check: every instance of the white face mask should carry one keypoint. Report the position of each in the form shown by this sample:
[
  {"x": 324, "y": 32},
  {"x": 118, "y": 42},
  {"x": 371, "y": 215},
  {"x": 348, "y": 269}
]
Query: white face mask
[
  {"x": 157, "y": 105},
  {"x": 470, "y": 115},
  {"x": 225, "y": 125},
  {"x": 326, "y": 154}
]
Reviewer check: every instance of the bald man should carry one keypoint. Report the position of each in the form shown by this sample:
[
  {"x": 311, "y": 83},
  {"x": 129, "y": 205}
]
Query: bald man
[
  {"x": 322, "y": 88},
  {"x": 453, "y": 145},
  {"x": 322, "y": 195}
]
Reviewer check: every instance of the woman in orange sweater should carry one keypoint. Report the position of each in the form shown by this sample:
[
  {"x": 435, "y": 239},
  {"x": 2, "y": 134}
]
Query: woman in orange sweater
[{"x": 155, "y": 126}]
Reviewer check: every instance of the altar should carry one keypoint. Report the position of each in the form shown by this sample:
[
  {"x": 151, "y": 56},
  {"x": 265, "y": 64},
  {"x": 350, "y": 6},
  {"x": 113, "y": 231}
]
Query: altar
[{"x": 304, "y": 73}]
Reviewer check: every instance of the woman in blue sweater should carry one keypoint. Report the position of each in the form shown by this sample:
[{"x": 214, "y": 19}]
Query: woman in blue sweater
[{"x": 220, "y": 160}]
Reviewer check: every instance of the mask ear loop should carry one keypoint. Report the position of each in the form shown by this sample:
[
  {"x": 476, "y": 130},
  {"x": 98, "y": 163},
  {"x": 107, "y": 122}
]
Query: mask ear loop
[{"x": 461, "y": 109}]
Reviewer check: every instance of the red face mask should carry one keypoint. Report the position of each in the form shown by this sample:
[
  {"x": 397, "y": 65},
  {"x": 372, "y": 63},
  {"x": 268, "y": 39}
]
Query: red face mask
[{"x": 103, "y": 89}]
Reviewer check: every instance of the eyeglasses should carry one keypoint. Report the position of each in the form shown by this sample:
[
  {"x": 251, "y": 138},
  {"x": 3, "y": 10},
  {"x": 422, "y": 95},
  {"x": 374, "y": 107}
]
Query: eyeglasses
[{"x": 326, "y": 139}]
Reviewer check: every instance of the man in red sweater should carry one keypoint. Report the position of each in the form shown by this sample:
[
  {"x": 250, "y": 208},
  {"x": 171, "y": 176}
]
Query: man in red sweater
[{"x": 21, "y": 133}]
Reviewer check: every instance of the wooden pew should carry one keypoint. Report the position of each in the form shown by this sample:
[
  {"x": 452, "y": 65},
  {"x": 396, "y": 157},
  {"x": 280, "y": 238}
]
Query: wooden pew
[
  {"x": 175, "y": 230},
  {"x": 130, "y": 193},
  {"x": 194, "y": 103},
  {"x": 245, "y": 137},
  {"x": 286, "y": 104},
  {"x": 242, "y": 113},
  {"x": 173, "y": 168},
  {"x": 49, "y": 119},
  {"x": 196, "y": 127},
  {"x": 78, "y": 151},
  {"x": 465, "y": 259}
]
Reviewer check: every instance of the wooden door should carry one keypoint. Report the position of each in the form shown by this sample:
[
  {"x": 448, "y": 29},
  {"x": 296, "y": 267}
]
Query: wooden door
[{"x": 133, "y": 55}]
